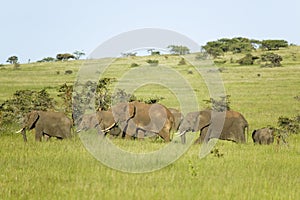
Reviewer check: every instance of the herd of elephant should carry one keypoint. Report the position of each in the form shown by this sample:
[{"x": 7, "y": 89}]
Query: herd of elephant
[{"x": 139, "y": 120}]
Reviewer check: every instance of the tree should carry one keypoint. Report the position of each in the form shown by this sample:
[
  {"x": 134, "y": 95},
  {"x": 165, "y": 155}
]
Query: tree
[
  {"x": 12, "y": 60},
  {"x": 181, "y": 50},
  {"x": 64, "y": 56},
  {"x": 271, "y": 60},
  {"x": 24, "y": 101},
  {"x": 78, "y": 54},
  {"x": 273, "y": 44},
  {"x": 47, "y": 59}
]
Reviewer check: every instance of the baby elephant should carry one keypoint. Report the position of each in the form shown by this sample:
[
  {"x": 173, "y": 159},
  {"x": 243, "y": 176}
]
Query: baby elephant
[{"x": 263, "y": 136}]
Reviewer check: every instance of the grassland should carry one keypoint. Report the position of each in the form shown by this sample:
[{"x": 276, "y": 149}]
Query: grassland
[{"x": 66, "y": 170}]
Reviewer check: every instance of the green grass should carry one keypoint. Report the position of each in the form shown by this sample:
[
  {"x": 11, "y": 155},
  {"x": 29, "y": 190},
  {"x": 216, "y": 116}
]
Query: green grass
[{"x": 66, "y": 170}]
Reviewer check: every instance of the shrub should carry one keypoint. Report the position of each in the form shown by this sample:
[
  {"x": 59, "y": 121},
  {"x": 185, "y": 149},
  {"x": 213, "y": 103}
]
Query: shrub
[
  {"x": 24, "y": 101},
  {"x": 182, "y": 62},
  {"x": 247, "y": 60},
  {"x": 134, "y": 65},
  {"x": 47, "y": 59},
  {"x": 152, "y": 62},
  {"x": 271, "y": 60},
  {"x": 219, "y": 105}
]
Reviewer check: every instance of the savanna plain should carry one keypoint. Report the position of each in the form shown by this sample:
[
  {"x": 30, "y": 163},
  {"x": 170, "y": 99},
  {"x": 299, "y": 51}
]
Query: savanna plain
[{"x": 64, "y": 169}]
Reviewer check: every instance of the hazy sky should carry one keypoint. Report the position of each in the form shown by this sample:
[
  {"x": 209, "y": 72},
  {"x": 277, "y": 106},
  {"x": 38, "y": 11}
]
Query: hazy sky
[{"x": 34, "y": 29}]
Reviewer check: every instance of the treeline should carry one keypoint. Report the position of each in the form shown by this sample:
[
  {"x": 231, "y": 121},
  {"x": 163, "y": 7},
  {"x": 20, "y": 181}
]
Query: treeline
[{"x": 241, "y": 45}]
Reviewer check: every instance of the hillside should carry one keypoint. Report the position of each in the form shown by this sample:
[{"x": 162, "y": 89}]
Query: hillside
[{"x": 67, "y": 170}]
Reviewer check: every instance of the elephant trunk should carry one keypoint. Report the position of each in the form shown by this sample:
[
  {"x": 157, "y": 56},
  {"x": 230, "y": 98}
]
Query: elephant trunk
[
  {"x": 182, "y": 135},
  {"x": 23, "y": 132}
]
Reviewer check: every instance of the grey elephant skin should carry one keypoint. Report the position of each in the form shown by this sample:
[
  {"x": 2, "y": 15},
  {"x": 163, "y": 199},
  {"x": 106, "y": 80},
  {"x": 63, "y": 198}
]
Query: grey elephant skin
[
  {"x": 263, "y": 136},
  {"x": 103, "y": 121},
  {"x": 138, "y": 119},
  {"x": 229, "y": 125},
  {"x": 48, "y": 124}
]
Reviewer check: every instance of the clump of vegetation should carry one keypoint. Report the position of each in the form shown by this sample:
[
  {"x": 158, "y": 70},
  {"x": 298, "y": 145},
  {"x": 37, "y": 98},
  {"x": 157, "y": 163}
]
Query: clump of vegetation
[
  {"x": 14, "y": 61},
  {"x": 152, "y": 62},
  {"x": 291, "y": 125},
  {"x": 179, "y": 49},
  {"x": 220, "y": 105},
  {"x": 153, "y": 100},
  {"x": 64, "y": 56},
  {"x": 182, "y": 62},
  {"x": 248, "y": 59},
  {"x": 273, "y": 44},
  {"x": 271, "y": 60},
  {"x": 78, "y": 54},
  {"x": 68, "y": 71},
  {"x": 24, "y": 101},
  {"x": 47, "y": 59},
  {"x": 134, "y": 65}
]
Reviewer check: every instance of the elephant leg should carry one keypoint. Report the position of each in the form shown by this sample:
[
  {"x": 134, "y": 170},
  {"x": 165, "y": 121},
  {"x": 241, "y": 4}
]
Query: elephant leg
[
  {"x": 165, "y": 134},
  {"x": 140, "y": 134},
  {"x": 38, "y": 134},
  {"x": 198, "y": 140},
  {"x": 47, "y": 137}
]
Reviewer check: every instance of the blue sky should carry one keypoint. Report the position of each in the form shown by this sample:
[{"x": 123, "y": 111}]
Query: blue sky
[{"x": 35, "y": 29}]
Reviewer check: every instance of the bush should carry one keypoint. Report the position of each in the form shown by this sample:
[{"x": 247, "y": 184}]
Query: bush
[
  {"x": 273, "y": 44},
  {"x": 271, "y": 60},
  {"x": 292, "y": 125},
  {"x": 182, "y": 62},
  {"x": 152, "y": 62},
  {"x": 219, "y": 105},
  {"x": 24, "y": 101},
  {"x": 47, "y": 59},
  {"x": 134, "y": 65},
  {"x": 247, "y": 60}
]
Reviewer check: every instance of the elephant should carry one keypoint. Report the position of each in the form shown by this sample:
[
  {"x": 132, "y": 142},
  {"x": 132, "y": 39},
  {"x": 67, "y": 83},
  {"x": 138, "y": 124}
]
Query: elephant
[
  {"x": 263, "y": 136},
  {"x": 208, "y": 123},
  {"x": 137, "y": 119},
  {"x": 102, "y": 120},
  {"x": 48, "y": 124},
  {"x": 233, "y": 129},
  {"x": 178, "y": 117},
  {"x": 194, "y": 121}
]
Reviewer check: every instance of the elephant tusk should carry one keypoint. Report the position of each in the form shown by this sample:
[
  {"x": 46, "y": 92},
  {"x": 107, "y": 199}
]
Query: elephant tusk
[
  {"x": 180, "y": 133},
  {"x": 19, "y": 131},
  {"x": 107, "y": 129}
]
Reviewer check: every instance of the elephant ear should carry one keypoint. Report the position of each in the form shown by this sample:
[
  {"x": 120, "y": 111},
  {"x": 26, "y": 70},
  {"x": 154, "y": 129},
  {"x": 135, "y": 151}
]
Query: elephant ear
[
  {"x": 131, "y": 110},
  {"x": 32, "y": 118}
]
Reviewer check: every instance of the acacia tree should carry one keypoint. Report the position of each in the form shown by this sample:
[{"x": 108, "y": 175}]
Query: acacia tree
[
  {"x": 12, "y": 60},
  {"x": 78, "y": 54},
  {"x": 273, "y": 44},
  {"x": 179, "y": 49}
]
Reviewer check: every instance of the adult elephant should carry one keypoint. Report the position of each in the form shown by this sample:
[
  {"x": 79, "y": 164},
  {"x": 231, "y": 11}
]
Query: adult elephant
[
  {"x": 194, "y": 122},
  {"x": 48, "y": 124},
  {"x": 230, "y": 125},
  {"x": 178, "y": 117},
  {"x": 138, "y": 118},
  {"x": 233, "y": 128},
  {"x": 103, "y": 121},
  {"x": 263, "y": 136}
]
